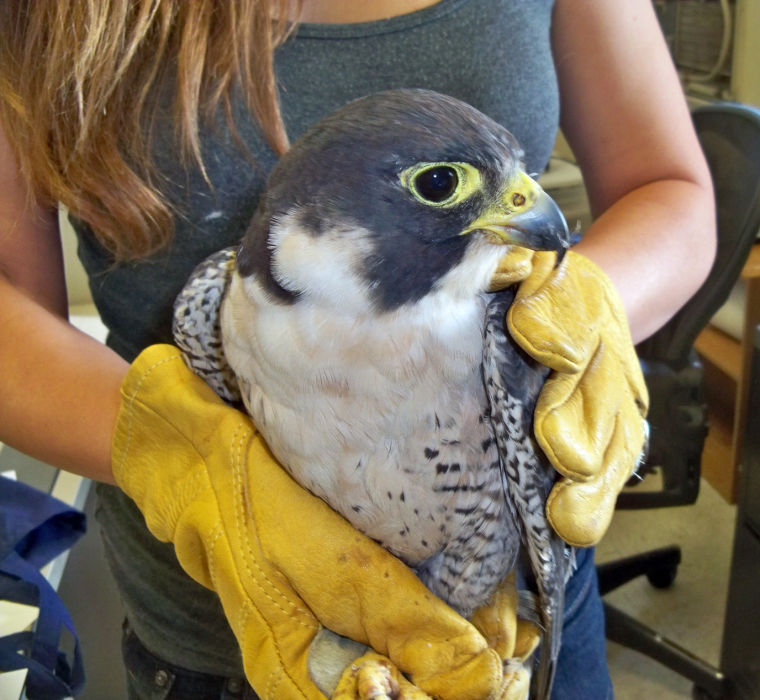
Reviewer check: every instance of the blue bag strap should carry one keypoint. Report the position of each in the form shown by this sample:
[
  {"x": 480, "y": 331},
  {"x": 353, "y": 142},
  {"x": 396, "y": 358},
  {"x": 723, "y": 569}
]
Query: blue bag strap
[
  {"x": 34, "y": 524},
  {"x": 35, "y": 528},
  {"x": 15, "y": 650}
]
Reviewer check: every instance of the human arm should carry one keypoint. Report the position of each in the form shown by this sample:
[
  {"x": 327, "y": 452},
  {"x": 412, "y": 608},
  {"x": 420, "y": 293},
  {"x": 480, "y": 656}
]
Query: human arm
[
  {"x": 649, "y": 248},
  {"x": 626, "y": 119},
  {"x": 59, "y": 389}
]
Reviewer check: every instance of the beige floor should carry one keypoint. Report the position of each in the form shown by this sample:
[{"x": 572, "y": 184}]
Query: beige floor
[{"x": 691, "y": 611}]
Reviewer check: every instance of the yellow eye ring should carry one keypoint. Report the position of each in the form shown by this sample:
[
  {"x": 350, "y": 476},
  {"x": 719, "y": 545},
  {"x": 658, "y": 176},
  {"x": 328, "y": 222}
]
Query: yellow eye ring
[{"x": 441, "y": 184}]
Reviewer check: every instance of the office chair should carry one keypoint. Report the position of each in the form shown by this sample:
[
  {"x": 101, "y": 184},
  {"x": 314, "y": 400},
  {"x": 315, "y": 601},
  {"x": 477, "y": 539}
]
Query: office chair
[
  {"x": 730, "y": 137},
  {"x": 740, "y": 651}
]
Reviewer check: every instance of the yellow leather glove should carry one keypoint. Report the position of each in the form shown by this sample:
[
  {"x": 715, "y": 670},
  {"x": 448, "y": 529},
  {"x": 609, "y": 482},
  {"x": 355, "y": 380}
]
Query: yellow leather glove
[
  {"x": 282, "y": 562},
  {"x": 374, "y": 676},
  {"x": 590, "y": 414},
  {"x": 514, "y": 640}
]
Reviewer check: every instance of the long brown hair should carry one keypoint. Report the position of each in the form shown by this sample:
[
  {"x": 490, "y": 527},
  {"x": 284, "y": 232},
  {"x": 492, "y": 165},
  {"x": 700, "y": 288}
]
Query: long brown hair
[{"x": 77, "y": 89}]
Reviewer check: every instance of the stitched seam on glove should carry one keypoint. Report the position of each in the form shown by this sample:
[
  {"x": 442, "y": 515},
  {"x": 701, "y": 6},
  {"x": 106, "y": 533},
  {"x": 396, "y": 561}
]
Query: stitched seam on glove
[
  {"x": 276, "y": 674},
  {"x": 239, "y": 439},
  {"x": 248, "y": 606},
  {"x": 274, "y": 681},
  {"x": 216, "y": 533}
]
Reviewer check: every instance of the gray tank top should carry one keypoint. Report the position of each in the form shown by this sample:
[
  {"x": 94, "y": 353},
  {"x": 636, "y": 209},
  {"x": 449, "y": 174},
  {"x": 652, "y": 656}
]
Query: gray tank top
[{"x": 494, "y": 54}]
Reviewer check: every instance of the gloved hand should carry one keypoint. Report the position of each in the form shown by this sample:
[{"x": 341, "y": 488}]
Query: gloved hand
[
  {"x": 513, "y": 639},
  {"x": 282, "y": 562},
  {"x": 590, "y": 414}
]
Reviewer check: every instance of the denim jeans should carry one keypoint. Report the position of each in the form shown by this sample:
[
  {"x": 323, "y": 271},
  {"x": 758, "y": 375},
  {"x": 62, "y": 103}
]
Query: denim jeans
[
  {"x": 151, "y": 678},
  {"x": 581, "y": 670}
]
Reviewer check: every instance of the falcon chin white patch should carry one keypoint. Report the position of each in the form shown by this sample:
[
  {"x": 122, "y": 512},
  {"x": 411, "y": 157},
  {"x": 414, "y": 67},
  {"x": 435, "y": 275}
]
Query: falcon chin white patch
[{"x": 454, "y": 298}]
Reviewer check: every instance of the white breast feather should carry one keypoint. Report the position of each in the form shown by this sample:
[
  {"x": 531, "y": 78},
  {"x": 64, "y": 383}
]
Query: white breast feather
[{"x": 361, "y": 376}]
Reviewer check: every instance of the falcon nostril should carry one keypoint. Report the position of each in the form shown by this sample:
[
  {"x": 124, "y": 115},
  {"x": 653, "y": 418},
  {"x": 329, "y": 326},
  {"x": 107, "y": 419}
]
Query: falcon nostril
[{"x": 518, "y": 199}]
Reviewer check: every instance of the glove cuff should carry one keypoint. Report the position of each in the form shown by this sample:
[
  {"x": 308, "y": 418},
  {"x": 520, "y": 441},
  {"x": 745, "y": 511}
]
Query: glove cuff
[{"x": 153, "y": 460}]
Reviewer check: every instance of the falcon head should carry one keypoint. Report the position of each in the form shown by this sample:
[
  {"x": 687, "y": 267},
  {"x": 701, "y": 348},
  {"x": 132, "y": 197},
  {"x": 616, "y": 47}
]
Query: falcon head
[{"x": 396, "y": 196}]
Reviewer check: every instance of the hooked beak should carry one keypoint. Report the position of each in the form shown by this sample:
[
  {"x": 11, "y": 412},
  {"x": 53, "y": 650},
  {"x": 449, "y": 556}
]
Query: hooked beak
[{"x": 524, "y": 215}]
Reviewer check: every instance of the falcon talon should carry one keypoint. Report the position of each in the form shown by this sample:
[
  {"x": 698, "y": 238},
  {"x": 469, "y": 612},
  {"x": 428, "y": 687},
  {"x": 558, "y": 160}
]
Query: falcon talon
[{"x": 357, "y": 325}]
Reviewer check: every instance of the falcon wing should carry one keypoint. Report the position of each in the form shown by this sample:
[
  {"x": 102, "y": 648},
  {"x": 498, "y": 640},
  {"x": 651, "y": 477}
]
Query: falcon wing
[
  {"x": 513, "y": 381},
  {"x": 196, "y": 328}
]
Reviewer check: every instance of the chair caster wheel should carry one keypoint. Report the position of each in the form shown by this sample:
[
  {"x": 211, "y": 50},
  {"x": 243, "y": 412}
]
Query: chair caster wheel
[{"x": 663, "y": 577}]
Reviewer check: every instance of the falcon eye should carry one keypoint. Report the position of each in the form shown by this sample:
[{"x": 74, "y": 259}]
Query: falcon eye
[
  {"x": 441, "y": 184},
  {"x": 437, "y": 184}
]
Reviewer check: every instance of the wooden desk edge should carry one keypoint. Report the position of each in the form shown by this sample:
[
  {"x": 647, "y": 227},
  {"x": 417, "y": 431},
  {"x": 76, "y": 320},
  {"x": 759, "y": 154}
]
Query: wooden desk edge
[{"x": 752, "y": 266}]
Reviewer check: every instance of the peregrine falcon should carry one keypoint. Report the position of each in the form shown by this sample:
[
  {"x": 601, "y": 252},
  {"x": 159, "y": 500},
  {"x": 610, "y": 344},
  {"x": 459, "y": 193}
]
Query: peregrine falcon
[{"x": 354, "y": 323}]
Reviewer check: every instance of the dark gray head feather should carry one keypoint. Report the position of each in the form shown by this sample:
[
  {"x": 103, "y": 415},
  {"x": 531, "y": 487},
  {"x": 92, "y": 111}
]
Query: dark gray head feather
[{"x": 345, "y": 171}]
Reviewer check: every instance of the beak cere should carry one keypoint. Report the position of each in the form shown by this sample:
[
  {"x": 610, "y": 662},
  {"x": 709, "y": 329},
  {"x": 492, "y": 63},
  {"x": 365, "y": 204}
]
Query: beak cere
[{"x": 526, "y": 216}]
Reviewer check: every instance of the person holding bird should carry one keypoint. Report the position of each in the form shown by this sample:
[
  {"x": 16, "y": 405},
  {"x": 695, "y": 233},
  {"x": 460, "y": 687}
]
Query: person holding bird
[{"x": 156, "y": 123}]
